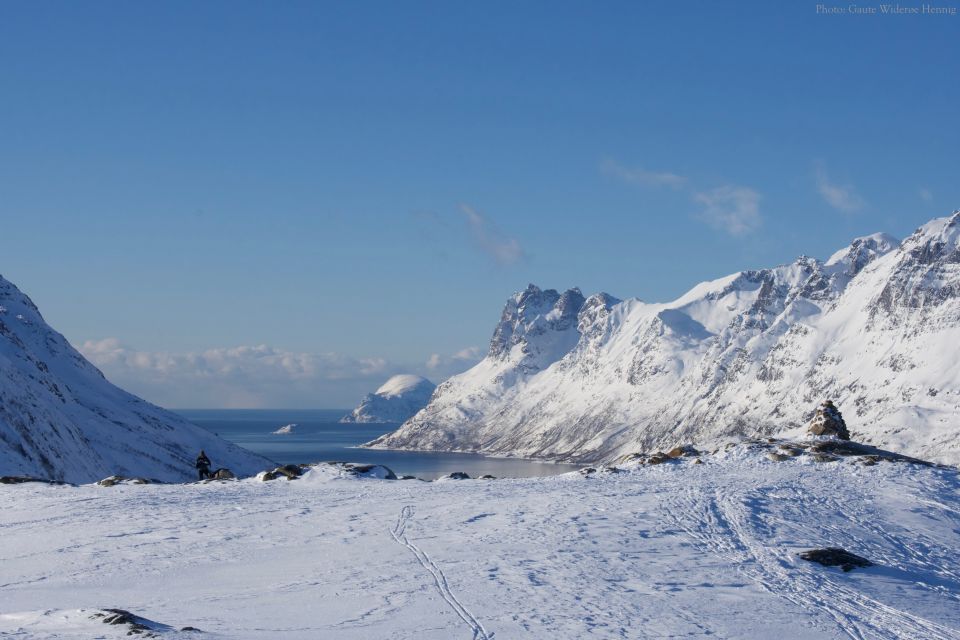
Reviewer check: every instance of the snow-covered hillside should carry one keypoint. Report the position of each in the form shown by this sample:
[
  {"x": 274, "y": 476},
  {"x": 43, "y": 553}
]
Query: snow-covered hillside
[
  {"x": 61, "y": 419},
  {"x": 674, "y": 550},
  {"x": 398, "y": 399},
  {"x": 875, "y": 328}
]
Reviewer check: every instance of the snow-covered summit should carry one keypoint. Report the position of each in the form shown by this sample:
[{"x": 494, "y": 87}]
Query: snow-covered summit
[
  {"x": 61, "y": 419},
  {"x": 872, "y": 328},
  {"x": 398, "y": 399},
  {"x": 401, "y": 384},
  {"x": 862, "y": 251}
]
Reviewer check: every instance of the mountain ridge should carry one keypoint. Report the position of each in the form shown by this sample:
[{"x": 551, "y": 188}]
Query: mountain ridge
[{"x": 751, "y": 353}]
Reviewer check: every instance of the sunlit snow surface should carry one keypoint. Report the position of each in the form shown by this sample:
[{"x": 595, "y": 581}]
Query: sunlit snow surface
[{"x": 673, "y": 550}]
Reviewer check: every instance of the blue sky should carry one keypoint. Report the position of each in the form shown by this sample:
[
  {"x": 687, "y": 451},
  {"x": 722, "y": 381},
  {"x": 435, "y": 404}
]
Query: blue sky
[{"x": 319, "y": 194}]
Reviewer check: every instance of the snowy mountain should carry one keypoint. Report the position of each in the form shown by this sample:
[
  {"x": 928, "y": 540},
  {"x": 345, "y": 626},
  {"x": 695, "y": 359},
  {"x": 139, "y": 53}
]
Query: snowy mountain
[
  {"x": 398, "y": 399},
  {"x": 61, "y": 419},
  {"x": 874, "y": 328}
]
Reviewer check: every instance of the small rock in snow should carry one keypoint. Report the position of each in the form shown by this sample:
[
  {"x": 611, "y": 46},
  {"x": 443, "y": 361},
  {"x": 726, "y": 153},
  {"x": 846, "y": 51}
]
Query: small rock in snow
[{"x": 835, "y": 556}]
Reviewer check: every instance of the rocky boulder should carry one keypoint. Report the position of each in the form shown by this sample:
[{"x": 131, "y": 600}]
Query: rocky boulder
[
  {"x": 456, "y": 475},
  {"x": 828, "y": 422},
  {"x": 836, "y": 557}
]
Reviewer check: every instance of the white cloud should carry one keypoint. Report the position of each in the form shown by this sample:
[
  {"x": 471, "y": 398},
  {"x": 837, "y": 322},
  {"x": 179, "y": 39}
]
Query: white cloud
[
  {"x": 642, "y": 177},
  {"x": 841, "y": 197},
  {"x": 925, "y": 194},
  {"x": 733, "y": 209},
  {"x": 256, "y": 376},
  {"x": 503, "y": 249},
  {"x": 454, "y": 364}
]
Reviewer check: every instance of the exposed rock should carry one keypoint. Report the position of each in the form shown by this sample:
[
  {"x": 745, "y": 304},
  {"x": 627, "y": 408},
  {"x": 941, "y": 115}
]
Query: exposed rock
[
  {"x": 23, "y": 479},
  {"x": 291, "y": 471},
  {"x": 682, "y": 450},
  {"x": 456, "y": 475},
  {"x": 790, "y": 450},
  {"x": 134, "y": 624},
  {"x": 223, "y": 474},
  {"x": 777, "y": 457},
  {"x": 115, "y": 480},
  {"x": 828, "y": 422},
  {"x": 591, "y": 471},
  {"x": 631, "y": 457},
  {"x": 821, "y": 457},
  {"x": 369, "y": 471},
  {"x": 488, "y": 477},
  {"x": 835, "y": 556},
  {"x": 658, "y": 458}
]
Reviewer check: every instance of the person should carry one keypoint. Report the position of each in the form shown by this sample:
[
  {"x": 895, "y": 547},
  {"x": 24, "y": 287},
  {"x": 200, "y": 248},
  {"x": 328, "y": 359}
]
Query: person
[{"x": 203, "y": 465}]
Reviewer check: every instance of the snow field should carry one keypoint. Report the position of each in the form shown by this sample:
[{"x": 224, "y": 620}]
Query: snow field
[{"x": 673, "y": 550}]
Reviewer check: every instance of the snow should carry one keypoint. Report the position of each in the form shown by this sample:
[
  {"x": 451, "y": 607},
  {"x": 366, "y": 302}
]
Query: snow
[
  {"x": 672, "y": 550},
  {"x": 285, "y": 430},
  {"x": 874, "y": 329},
  {"x": 398, "y": 399},
  {"x": 401, "y": 384}
]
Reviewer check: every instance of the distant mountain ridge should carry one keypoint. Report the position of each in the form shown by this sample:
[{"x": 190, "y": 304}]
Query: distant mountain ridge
[
  {"x": 61, "y": 419},
  {"x": 874, "y": 328},
  {"x": 398, "y": 399}
]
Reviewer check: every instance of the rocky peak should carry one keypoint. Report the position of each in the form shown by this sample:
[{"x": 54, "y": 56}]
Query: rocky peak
[
  {"x": 594, "y": 309},
  {"x": 534, "y": 312}
]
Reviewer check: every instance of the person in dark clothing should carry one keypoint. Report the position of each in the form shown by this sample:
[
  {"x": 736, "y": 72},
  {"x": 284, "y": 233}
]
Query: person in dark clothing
[{"x": 203, "y": 465}]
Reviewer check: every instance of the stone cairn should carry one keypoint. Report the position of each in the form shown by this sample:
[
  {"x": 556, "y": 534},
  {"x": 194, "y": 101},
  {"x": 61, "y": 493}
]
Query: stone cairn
[{"x": 829, "y": 422}]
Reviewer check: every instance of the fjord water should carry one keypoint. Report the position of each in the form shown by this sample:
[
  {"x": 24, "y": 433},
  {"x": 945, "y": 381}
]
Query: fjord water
[{"x": 318, "y": 436}]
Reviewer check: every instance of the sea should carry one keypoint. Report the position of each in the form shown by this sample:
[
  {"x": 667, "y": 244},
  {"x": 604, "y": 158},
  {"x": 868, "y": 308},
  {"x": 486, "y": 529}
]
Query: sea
[{"x": 316, "y": 435}]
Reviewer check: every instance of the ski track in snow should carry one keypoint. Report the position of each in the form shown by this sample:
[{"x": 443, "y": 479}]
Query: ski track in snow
[
  {"x": 665, "y": 551},
  {"x": 728, "y": 525},
  {"x": 439, "y": 578}
]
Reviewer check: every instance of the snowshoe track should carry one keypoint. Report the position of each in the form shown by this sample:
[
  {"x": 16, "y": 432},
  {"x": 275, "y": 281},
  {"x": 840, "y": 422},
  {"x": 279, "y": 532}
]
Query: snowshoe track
[{"x": 439, "y": 578}]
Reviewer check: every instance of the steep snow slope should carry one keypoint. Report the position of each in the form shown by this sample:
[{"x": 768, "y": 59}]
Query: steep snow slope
[
  {"x": 875, "y": 328},
  {"x": 61, "y": 419},
  {"x": 668, "y": 551},
  {"x": 398, "y": 399}
]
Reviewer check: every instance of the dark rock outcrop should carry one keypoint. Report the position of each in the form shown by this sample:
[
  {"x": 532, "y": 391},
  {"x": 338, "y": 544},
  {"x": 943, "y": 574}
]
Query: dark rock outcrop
[
  {"x": 24, "y": 479},
  {"x": 135, "y": 625},
  {"x": 835, "y": 557}
]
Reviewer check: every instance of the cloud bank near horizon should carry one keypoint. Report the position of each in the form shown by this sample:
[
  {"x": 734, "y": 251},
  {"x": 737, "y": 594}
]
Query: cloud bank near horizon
[{"x": 261, "y": 376}]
